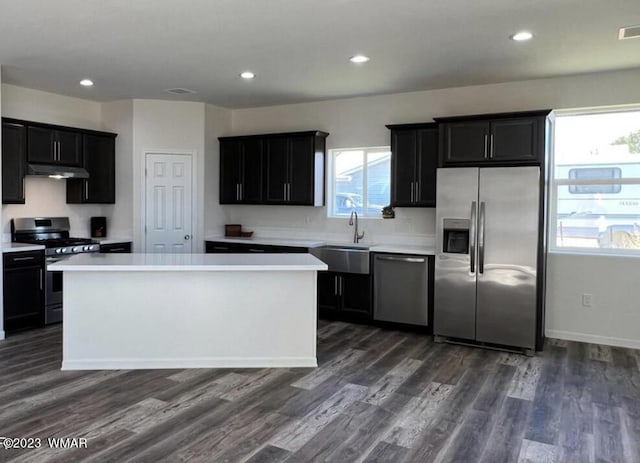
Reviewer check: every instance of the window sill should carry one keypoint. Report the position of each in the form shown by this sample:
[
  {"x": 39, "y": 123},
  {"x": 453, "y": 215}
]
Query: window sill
[{"x": 599, "y": 253}]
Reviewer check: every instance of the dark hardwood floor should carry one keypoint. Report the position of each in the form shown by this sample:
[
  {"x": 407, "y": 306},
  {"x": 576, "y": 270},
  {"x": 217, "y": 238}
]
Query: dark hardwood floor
[{"x": 378, "y": 396}]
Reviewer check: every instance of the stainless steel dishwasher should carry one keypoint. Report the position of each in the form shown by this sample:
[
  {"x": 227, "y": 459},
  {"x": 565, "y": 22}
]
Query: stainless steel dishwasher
[{"x": 401, "y": 289}]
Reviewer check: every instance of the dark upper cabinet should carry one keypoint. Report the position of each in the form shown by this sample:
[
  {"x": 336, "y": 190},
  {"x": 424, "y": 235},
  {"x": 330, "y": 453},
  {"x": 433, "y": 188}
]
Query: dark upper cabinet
[
  {"x": 53, "y": 146},
  {"x": 493, "y": 139},
  {"x": 414, "y": 159},
  {"x": 14, "y": 153},
  {"x": 99, "y": 159},
  {"x": 283, "y": 169},
  {"x": 241, "y": 171}
]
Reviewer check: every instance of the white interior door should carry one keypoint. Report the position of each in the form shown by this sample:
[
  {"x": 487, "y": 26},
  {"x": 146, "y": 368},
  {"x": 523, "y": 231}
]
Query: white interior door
[{"x": 168, "y": 208}]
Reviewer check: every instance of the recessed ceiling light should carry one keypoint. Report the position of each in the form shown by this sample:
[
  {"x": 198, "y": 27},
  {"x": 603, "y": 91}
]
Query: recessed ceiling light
[
  {"x": 86, "y": 83},
  {"x": 359, "y": 59},
  {"x": 522, "y": 36},
  {"x": 247, "y": 75}
]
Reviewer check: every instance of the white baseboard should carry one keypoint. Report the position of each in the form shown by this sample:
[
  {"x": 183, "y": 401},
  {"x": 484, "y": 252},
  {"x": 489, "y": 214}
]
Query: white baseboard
[
  {"x": 593, "y": 339},
  {"x": 150, "y": 364}
]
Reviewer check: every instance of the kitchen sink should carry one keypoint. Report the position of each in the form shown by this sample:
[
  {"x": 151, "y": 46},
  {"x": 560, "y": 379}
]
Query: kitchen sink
[{"x": 344, "y": 258}]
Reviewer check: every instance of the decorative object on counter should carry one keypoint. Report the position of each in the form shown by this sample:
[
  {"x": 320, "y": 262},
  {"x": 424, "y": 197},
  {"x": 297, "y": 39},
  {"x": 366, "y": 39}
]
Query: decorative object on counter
[
  {"x": 98, "y": 227},
  {"x": 232, "y": 230},
  {"x": 388, "y": 213},
  {"x": 246, "y": 234}
]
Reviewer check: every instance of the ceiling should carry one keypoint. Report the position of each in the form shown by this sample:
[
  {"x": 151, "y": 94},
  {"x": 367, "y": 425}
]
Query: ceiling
[{"x": 299, "y": 49}]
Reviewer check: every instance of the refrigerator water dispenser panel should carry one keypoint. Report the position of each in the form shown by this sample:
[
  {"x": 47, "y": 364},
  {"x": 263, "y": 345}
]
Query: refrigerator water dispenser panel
[{"x": 455, "y": 236}]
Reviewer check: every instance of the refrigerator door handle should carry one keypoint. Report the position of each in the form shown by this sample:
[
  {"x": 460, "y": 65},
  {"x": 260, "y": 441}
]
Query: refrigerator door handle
[
  {"x": 472, "y": 237},
  {"x": 481, "y": 239}
]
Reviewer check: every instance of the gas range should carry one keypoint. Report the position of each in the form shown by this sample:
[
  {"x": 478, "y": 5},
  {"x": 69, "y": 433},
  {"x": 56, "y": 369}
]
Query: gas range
[{"x": 53, "y": 233}]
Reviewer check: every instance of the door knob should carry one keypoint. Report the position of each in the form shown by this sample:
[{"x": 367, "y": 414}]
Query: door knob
[{"x": 187, "y": 237}]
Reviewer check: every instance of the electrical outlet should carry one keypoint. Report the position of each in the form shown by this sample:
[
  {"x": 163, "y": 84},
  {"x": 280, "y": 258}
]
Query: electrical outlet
[{"x": 587, "y": 300}]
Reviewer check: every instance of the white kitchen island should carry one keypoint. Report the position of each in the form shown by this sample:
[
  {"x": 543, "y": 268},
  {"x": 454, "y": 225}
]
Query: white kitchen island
[{"x": 141, "y": 311}]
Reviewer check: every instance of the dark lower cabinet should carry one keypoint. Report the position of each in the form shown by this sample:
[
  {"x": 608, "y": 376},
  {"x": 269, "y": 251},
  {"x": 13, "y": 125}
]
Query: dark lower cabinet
[
  {"x": 23, "y": 297},
  {"x": 345, "y": 296},
  {"x": 223, "y": 247},
  {"x": 115, "y": 248},
  {"x": 14, "y": 154}
]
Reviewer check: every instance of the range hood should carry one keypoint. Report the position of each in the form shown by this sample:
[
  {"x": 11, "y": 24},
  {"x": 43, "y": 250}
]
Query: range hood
[{"x": 55, "y": 171}]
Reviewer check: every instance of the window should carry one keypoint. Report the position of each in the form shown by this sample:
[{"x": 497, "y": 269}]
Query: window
[
  {"x": 359, "y": 179},
  {"x": 596, "y": 183}
]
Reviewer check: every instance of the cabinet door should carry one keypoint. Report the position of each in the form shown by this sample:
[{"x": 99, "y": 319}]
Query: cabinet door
[
  {"x": 276, "y": 170},
  {"x": 14, "y": 149},
  {"x": 328, "y": 302},
  {"x": 427, "y": 163},
  {"x": 465, "y": 142},
  {"x": 252, "y": 159},
  {"x": 301, "y": 163},
  {"x": 230, "y": 171},
  {"x": 40, "y": 142},
  {"x": 100, "y": 162},
  {"x": 69, "y": 148},
  {"x": 514, "y": 140},
  {"x": 23, "y": 298},
  {"x": 355, "y": 291},
  {"x": 403, "y": 166}
]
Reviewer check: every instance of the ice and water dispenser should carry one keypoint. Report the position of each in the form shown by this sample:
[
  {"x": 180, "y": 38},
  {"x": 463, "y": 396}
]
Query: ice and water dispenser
[{"x": 455, "y": 236}]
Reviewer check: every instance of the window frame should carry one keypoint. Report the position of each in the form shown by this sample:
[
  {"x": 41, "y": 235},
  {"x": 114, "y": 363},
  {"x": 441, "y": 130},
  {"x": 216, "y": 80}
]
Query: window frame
[
  {"x": 553, "y": 184},
  {"x": 331, "y": 180}
]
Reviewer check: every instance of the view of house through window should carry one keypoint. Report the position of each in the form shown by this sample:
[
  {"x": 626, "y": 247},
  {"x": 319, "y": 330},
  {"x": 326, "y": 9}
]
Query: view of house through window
[
  {"x": 596, "y": 182},
  {"x": 360, "y": 181}
]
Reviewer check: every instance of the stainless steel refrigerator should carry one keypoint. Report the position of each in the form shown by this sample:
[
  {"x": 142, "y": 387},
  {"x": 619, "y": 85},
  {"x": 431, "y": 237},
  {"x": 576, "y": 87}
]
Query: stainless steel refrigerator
[{"x": 488, "y": 256}]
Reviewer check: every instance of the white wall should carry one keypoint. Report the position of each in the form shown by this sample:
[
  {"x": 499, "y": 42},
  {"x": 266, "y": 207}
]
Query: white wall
[
  {"x": 360, "y": 122},
  {"x": 45, "y": 196},
  {"x": 167, "y": 126},
  {"x": 117, "y": 117},
  {"x": 217, "y": 123}
]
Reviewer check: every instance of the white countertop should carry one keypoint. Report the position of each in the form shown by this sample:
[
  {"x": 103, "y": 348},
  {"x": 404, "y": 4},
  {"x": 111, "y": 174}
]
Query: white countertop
[
  {"x": 404, "y": 249},
  {"x": 373, "y": 247},
  {"x": 94, "y": 262},
  {"x": 21, "y": 247},
  {"x": 113, "y": 240}
]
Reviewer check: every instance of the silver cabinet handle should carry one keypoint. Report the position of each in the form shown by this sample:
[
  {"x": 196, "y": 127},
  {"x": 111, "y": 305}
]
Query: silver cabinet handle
[
  {"x": 41, "y": 287},
  {"x": 340, "y": 280},
  {"x": 288, "y": 192},
  {"x": 284, "y": 192},
  {"x": 187, "y": 237},
  {"x": 491, "y": 146},
  {"x": 472, "y": 237},
  {"x": 220, "y": 248},
  {"x": 481, "y": 239},
  {"x": 335, "y": 285},
  {"x": 417, "y": 260},
  {"x": 417, "y": 192},
  {"x": 23, "y": 258},
  {"x": 86, "y": 189},
  {"x": 486, "y": 143},
  {"x": 237, "y": 192},
  {"x": 59, "y": 151},
  {"x": 411, "y": 191},
  {"x": 116, "y": 249},
  {"x": 241, "y": 191},
  {"x": 256, "y": 250}
]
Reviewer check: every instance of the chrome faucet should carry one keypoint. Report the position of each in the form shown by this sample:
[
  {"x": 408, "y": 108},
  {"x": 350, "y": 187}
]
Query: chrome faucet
[{"x": 356, "y": 237}]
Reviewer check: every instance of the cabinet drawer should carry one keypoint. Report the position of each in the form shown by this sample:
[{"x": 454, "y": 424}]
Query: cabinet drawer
[
  {"x": 23, "y": 259},
  {"x": 115, "y": 248}
]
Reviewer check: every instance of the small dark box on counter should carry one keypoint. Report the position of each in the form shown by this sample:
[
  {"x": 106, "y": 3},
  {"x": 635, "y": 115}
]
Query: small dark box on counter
[{"x": 98, "y": 227}]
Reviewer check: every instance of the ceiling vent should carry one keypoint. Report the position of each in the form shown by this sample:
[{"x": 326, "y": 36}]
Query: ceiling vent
[
  {"x": 180, "y": 91},
  {"x": 629, "y": 32}
]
